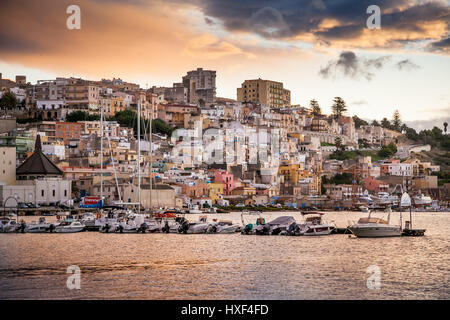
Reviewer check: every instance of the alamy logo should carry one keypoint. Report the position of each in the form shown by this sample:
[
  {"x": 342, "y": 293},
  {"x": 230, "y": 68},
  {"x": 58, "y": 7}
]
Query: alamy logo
[
  {"x": 74, "y": 20},
  {"x": 374, "y": 281},
  {"x": 374, "y": 21},
  {"x": 74, "y": 280}
]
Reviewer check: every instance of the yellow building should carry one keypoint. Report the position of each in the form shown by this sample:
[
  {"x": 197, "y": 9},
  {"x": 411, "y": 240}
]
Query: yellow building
[
  {"x": 270, "y": 93},
  {"x": 291, "y": 172},
  {"x": 215, "y": 191}
]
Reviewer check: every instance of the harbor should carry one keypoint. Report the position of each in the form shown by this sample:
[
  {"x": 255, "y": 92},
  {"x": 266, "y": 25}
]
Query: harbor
[{"x": 229, "y": 266}]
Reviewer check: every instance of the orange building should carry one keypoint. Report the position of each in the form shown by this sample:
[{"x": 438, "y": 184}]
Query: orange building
[{"x": 67, "y": 130}]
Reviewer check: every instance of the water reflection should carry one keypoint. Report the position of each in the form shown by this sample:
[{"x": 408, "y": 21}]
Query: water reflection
[{"x": 172, "y": 266}]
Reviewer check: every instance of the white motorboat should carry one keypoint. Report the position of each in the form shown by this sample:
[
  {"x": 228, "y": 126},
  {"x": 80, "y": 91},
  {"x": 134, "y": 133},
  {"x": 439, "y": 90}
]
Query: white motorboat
[
  {"x": 8, "y": 225},
  {"x": 314, "y": 226},
  {"x": 69, "y": 226},
  {"x": 375, "y": 228},
  {"x": 153, "y": 226},
  {"x": 385, "y": 198},
  {"x": 422, "y": 200},
  {"x": 40, "y": 227}
]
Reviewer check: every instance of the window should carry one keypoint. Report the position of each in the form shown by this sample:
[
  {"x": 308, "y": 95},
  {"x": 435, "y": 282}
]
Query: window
[
  {"x": 42, "y": 193},
  {"x": 54, "y": 192},
  {"x": 65, "y": 193}
]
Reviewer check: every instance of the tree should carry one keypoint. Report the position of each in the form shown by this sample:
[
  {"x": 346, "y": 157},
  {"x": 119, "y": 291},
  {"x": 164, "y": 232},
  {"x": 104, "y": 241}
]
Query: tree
[
  {"x": 315, "y": 108},
  {"x": 126, "y": 118},
  {"x": 201, "y": 103},
  {"x": 385, "y": 123},
  {"x": 445, "y": 127},
  {"x": 159, "y": 126},
  {"x": 81, "y": 116},
  {"x": 396, "y": 122},
  {"x": 339, "y": 107},
  {"x": 359, "y": 122},
  {"x": 387, "y": 151},
  {"x": 8, "y": 100},
  {"x": 375, "y": 123}
]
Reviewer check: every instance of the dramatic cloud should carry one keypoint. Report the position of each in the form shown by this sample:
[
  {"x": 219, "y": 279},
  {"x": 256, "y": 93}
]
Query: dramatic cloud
[
  {"x": 349, "y": 65},
  {"x": 336, "y": 23},
  {"x": 406, "y": 65},
  {"x": 440, "y": 46}
]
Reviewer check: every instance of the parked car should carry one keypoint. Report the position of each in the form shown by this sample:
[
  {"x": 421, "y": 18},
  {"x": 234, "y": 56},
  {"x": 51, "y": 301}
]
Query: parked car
[
  {"x": 240, "y": 205},
  {"x": 32, "y": 205},
  {"x": 22, "y": 205}
]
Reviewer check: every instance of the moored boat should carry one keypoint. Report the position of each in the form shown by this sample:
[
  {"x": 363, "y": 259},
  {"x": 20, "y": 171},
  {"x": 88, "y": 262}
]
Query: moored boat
[
  {"x": 314, "y": 226},
  {"x": 69, "y": 226}
]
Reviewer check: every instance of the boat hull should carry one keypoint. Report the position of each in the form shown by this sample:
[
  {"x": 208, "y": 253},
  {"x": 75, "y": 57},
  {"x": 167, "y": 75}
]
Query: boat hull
[{"x": 376, "y": 232}]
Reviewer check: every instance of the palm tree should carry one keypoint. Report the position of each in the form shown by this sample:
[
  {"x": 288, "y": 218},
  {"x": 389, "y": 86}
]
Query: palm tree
[{"x": 445, "y": 127}]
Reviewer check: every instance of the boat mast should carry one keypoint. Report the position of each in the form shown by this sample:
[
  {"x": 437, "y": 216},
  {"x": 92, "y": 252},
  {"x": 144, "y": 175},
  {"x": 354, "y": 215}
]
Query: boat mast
[
  {"x": 101, "y": 154},
  {"x": 139, "y": 153},
  {"x": 151, "y": 157}
]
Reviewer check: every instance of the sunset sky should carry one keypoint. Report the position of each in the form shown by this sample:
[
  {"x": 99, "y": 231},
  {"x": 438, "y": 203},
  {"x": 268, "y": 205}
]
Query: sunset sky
[{"x": 318, "y": 48}]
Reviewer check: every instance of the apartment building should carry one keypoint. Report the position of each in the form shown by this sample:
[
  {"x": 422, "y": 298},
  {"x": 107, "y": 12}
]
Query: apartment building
[
  {"x": 267, "y": 92},
  {"x": 201, "y": 85}
]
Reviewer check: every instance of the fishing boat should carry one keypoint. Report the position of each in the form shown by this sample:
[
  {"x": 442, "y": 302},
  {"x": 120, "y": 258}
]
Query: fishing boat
[
  {"x": 69, "y": 226},
  {"x": 314, "y": 226},
  {"x": 372, "y": 227}
]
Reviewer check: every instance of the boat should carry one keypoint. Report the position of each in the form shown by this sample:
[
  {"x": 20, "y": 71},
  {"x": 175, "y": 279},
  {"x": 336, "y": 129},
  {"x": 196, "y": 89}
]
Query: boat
[
  {"x": 40, "y": 227},
  {"x": 363, "y": 209},
  {"x": 371, "y": 227},
  {"x": 422, "y": 200},
  {"x": 8, "y": 225},
  {"x": 314, "y": 226},
  {"x": 224, "y": 227},
  {"x": 197, "y": 227},
  {"x": 69, "y": 226},
  {"x": 284, "y": 225},
  {"x": 386, "y": 199}
]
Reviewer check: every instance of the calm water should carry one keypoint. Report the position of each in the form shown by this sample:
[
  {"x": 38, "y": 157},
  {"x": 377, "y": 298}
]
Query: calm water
[{"x": 172, "y": 266}]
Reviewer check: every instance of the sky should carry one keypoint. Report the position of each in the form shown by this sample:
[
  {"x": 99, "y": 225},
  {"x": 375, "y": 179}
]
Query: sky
[{"x": 319, "y": 49}]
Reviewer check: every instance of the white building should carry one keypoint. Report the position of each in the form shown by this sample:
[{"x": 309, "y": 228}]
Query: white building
[{"x": 400, "y": 169}]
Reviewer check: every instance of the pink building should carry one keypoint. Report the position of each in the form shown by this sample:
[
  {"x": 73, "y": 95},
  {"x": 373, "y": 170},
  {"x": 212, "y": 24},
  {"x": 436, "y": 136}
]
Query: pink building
[{"x": 225, "y": 178}]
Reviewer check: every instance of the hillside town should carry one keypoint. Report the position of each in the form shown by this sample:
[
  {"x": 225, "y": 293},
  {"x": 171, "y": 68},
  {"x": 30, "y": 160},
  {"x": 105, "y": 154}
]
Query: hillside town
[{"x": 65, "y": 140}]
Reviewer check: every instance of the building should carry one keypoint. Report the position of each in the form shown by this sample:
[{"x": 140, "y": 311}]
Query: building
[
  {"x": 227, "y": 179},
  {"x": 38, "y": 181},
  {"x": 201, "y": 85},
  {"x": 163, "y": 195},
  {"x": 8, "y": 165},
  {"x": 68, "y": 130},
  {"x": 267, "y": 92}
]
